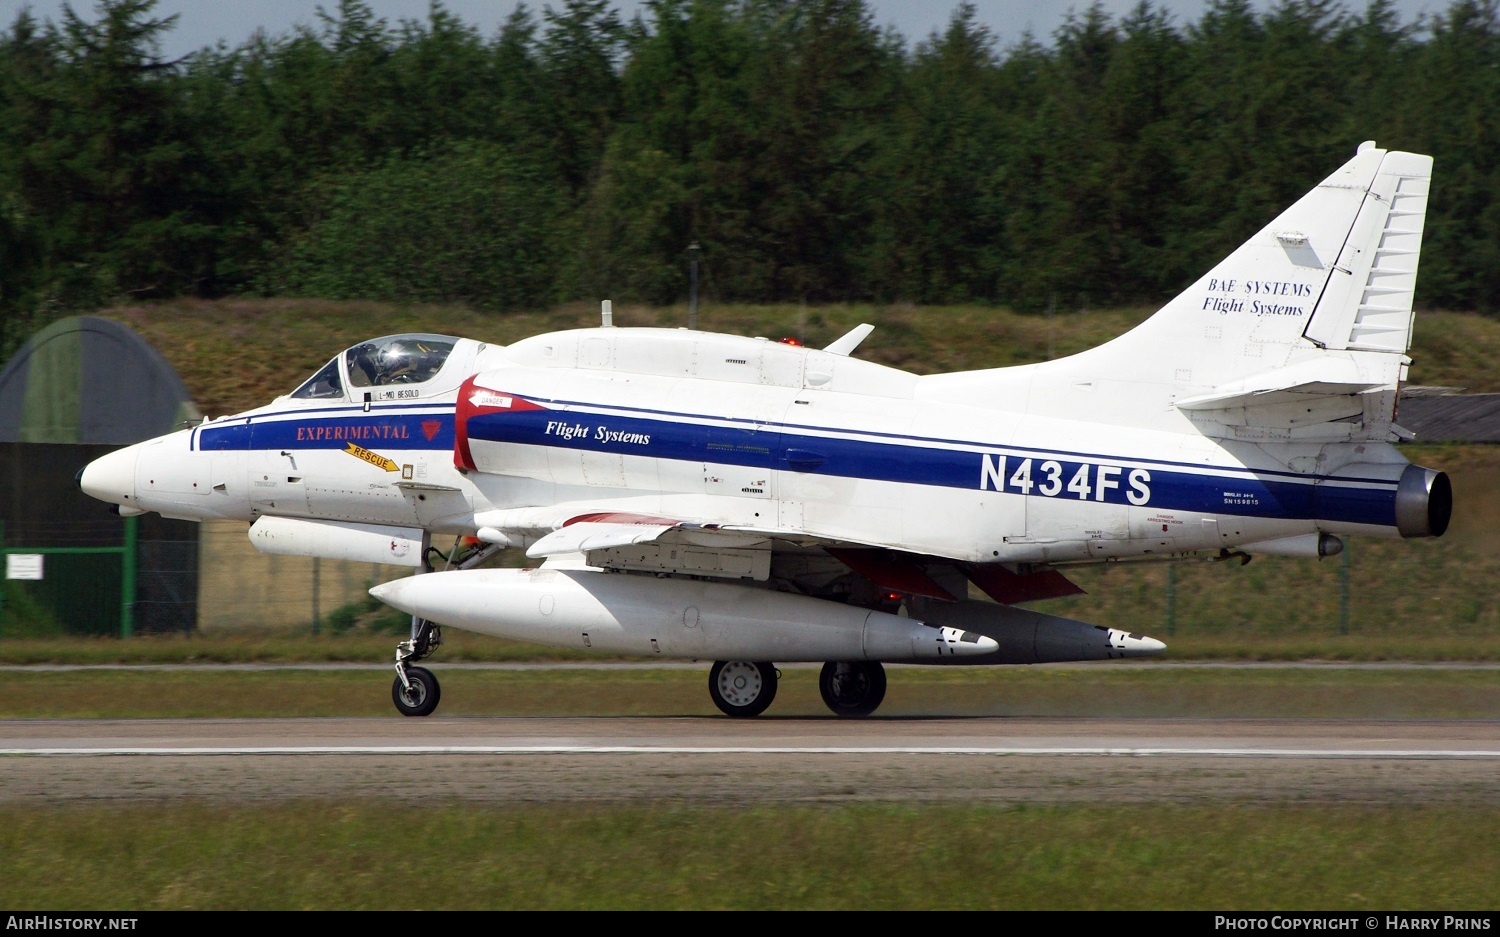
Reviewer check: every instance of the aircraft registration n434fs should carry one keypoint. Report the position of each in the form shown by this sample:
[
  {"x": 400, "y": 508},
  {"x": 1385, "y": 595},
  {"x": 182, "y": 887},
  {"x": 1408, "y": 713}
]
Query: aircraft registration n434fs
[{"x": 743, "y": 501}]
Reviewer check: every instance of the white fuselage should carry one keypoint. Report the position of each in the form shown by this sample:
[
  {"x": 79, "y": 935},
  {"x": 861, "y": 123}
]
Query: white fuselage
[{"x": 759, "y": 435}]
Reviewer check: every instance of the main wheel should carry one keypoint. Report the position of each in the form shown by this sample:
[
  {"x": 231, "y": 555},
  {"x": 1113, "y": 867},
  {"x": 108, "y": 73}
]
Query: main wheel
[
  {"x": 741, "y": 687},
  {"x": 852, "y": 688},
  {"x": 423, "y": 695}
]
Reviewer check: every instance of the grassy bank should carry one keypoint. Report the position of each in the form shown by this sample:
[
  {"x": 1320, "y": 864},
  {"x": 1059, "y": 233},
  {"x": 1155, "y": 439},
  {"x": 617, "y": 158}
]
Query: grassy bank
[
  {"x": 239, "y": 353},
  {"x": 1227, "y": 644},
  {"x": 865, "y": 857}
]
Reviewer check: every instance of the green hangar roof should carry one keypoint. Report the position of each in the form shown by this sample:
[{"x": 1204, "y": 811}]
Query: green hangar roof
[{"x": 92, "y": 381}]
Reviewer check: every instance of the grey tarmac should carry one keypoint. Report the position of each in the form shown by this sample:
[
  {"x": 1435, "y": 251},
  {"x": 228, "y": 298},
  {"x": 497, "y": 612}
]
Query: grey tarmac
[{"x": 771, "y": 761}]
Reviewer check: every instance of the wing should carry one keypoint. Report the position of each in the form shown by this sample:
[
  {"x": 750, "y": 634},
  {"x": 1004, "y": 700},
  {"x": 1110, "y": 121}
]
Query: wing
[{"x": 802, "y": 562}]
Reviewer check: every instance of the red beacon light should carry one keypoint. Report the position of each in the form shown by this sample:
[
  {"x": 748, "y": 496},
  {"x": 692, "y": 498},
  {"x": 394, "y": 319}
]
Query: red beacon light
[{"x": 789, "y": 341}]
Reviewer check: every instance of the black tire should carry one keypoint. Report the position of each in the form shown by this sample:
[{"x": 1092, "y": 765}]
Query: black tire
[
  {"x": 742, "y": 688},
  {"x": 423, "y": 696},
  {"x": 852, "y": 688}
]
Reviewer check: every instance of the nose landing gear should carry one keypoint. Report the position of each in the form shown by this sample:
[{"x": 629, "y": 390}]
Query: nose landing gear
[
  {"x": 415, "y": 690},
  {"x": 419, "y": 695}
]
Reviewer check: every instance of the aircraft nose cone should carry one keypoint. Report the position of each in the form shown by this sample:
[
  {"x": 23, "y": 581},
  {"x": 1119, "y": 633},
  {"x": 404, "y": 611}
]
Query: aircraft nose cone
[{"x": 111, "y": 477}]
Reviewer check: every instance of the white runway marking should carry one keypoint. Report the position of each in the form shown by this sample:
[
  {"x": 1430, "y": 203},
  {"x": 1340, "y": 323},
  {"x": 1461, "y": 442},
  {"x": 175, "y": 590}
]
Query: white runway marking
[{"x": 1318, "y": 753}]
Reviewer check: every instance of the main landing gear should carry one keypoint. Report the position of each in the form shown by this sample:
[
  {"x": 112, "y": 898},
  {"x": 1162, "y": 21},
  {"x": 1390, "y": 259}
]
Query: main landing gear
[
  {"x": 415, "y": 690},
  {"x": 852, "y": 688},
  {"x": 743, "y": 688}
]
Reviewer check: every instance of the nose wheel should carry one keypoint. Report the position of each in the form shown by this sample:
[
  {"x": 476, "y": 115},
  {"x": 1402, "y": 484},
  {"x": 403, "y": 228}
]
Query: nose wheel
[
  {"x": 419, "y": 695},
  {"x": 742, "y": 688},
  {"x": 415, "y": 690}
]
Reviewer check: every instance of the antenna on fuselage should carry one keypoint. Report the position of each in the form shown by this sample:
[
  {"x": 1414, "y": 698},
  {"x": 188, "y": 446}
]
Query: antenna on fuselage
[{"x": 607, "y": 314}]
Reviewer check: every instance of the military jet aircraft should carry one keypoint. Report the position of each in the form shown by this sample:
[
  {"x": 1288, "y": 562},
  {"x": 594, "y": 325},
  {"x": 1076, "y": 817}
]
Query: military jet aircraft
[{"x": 745, "y": 502}]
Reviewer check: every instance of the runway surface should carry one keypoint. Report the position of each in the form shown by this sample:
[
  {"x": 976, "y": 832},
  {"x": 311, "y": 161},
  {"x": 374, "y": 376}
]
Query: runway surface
[{"x": 720, "y": 761}]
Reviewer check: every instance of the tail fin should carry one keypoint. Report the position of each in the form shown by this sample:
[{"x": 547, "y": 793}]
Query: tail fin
[{"x": 1312, "y": 312}]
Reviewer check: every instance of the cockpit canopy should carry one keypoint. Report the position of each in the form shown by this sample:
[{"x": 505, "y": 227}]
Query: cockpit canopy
[{"x": 399, "y": 360}]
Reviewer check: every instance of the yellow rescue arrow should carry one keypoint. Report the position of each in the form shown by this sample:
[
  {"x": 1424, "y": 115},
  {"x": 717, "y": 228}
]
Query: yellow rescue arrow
[{"x": 374, "y": 458}]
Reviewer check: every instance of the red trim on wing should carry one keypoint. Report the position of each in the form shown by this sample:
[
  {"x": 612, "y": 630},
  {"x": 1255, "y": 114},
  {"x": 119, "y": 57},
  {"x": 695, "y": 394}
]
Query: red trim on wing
[
  {"x": 888, "y": 569},
  {"x": 1010, "y": 588},
  {"x": 615, "y": 517}
]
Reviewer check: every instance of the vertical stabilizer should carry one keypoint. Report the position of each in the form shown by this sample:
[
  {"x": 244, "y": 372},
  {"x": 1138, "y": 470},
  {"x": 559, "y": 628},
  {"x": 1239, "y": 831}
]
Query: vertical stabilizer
[{"x": 1304, "y": 325}]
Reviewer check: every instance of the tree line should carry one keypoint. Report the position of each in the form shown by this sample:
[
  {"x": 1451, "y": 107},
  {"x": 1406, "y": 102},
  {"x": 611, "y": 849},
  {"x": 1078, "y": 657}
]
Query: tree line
[{"x": 807, "y": 154}]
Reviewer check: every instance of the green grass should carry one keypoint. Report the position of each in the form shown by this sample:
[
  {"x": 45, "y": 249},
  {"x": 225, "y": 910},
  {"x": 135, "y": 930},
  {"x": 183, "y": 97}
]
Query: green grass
[
  {"x": 369, "y": 856},
  {"x": 1193, "y": 640},
  {"x": 264, "y": 646},
  {"x": 1105, "y": 688}
]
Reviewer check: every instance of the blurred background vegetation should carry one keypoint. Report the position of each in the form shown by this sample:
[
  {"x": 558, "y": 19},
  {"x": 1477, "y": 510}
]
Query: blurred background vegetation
[{"x": 813, "y": 157}]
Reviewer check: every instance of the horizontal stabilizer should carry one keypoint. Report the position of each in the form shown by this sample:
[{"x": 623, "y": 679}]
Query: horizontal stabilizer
[
  {"x": 1277, "y": 395},
  {"x": 1325, "y": 377}
]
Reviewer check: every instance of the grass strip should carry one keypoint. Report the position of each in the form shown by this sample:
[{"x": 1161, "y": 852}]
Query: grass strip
[
  {"x": 314, "y": 855},
  {"x": 1105, "y": 689}
]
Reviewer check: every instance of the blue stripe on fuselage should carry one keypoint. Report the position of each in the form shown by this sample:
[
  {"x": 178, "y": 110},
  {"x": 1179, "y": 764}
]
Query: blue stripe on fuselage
[
  {"x": 746, "y": 443},
  {"x": 1244, "y": 493},
  {"x": 374, "y": 430}
]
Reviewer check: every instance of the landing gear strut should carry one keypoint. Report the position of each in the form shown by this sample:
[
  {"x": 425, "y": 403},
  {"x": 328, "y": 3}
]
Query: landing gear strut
[
  {"x": 852, "y": 688},
  {"x": 415, "y": 690},
  {"x": 742, "y": 688}
]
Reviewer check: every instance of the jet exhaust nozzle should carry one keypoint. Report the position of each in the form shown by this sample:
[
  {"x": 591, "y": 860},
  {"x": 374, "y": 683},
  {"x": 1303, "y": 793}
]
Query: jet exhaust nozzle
[{"x": 1424, "y": 502}]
